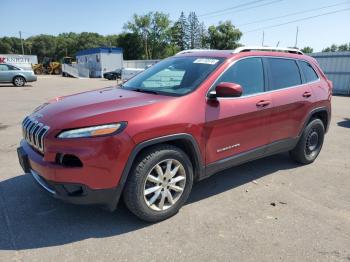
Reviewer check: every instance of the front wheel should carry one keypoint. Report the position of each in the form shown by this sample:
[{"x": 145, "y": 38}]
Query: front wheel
[
  {"x": 19, "y": 81},
  {"x": 159, "y": 183},
  {"x": 310, "y": 143}
]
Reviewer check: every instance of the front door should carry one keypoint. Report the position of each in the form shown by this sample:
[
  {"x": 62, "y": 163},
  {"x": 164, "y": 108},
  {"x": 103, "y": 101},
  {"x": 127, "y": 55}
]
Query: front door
[
  {"x": 239, "y": 125},
  {"x": 4, "y": 73}
]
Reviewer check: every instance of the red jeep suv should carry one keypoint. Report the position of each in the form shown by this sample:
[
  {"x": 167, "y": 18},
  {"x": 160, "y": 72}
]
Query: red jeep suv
[{"x": 181, "y": 120}]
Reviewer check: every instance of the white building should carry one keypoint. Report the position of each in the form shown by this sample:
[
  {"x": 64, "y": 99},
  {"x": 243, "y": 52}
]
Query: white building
[
  {"x": 22, "y": 61},
  {"x": 100, "y": 60}
]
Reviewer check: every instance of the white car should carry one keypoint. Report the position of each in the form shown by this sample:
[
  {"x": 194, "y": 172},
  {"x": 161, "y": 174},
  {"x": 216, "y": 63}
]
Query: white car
[
  {"x": 15, "y": 75},
  {"x": 128, "y": 73}
]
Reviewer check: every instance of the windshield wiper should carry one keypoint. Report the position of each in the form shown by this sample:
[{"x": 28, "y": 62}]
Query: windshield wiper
[{"x": 145, "y": 91}]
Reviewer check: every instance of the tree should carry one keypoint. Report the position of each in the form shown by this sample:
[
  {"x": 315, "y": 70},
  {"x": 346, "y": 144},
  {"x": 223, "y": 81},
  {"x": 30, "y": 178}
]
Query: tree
[
  {"x": 10, "y": 45},
  {"x": 160, "y": 35},
  {"x": 87, "y": 40},
  {"x": 131, "y": 44},
  {"x": 179, "y": 33},
  {"x": 335, "y": 48},
  {"x": 154, "y": 30},
  {"x": 43, "y": 46},
  {"x": 66, "y": 44},
  {"x": 111, "y": 40},
  {"x": 307, "y": 50},
  {"x": 224, "y": 36},
  {"x": 344, "y": 47},
  {"x": 203, "y": 36},
  {"x": 194, "y": 31},
  {"x": 141, "y": 26}
]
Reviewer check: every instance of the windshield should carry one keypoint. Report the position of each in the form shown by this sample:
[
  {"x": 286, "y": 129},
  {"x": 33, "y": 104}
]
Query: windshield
[{"x": 174, "y": 76}]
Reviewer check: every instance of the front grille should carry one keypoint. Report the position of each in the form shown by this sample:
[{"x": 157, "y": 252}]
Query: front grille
[{"x": 34, "y": 133}]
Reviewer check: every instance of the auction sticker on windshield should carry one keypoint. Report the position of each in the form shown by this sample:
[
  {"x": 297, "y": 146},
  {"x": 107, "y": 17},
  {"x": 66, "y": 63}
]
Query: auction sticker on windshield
[{"x": 207, "y": 61}]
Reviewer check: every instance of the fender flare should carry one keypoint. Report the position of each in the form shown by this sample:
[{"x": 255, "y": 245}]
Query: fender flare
[
  {"x": 137, "y": 149},
  {"x": 311, "y": 113},
  {"x": 13, "y": 78}
]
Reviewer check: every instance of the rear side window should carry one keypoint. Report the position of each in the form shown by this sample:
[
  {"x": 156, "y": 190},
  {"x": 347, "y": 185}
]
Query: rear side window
[
  {"x": 283, "y": 73},
  {"x": 10, "y": 67},
  {"x": 309, "y": 73},
  {"x": 248, "y": 73}
]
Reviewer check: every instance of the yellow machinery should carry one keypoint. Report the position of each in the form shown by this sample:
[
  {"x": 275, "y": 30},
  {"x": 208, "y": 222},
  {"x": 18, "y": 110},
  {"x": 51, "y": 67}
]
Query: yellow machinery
[
  {"x": 68, "y": 60},
  {"x": 47, "y": 67}
]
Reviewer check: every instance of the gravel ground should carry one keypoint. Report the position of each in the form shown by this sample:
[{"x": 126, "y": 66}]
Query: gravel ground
[{"x": 267, "y": 210}]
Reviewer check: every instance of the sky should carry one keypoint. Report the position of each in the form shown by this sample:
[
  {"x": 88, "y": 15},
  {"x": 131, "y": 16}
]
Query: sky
[{"x": 108, "y": 17}]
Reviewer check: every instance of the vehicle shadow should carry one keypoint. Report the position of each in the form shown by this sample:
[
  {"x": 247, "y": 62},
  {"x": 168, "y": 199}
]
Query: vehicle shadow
[
  {"x": 345, "y": 123},
  {"x": 31, "y": 219},
  {"x": 240, "y": 175},
  {"x": 11, "y": 85}
]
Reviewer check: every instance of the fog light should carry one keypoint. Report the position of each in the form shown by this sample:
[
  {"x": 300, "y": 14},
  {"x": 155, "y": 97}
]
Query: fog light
[{"x": 68, "y": 160}]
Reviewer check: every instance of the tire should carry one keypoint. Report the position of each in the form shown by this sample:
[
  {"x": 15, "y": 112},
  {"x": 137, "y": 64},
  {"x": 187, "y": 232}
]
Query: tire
[
  {"x": 139, "y": 194},
  {"x": 310, "y": 143},
  {"x": 19, "y": 81}
]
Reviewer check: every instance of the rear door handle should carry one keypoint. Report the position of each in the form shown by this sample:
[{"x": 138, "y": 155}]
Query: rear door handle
[
  {"x": 307, "y": 94},
  {"x": 263, "y": 103}
]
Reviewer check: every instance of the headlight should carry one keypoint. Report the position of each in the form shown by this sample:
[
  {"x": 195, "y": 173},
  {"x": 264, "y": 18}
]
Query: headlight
[{"x": 93, "y": 131}]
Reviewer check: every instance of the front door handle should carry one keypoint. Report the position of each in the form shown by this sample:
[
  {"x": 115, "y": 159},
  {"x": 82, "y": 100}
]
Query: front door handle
[
  {"x": 263, "y": 103},
  {"x": 307, "y": 94}
]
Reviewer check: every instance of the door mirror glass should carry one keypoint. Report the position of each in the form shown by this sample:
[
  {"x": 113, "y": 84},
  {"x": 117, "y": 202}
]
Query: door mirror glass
[{"x": 226, "y": 89}]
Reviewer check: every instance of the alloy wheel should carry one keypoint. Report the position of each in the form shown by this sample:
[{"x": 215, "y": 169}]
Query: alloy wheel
[
  {"x": 19, "y": 81},
  {"x": 164, "y": 184}
]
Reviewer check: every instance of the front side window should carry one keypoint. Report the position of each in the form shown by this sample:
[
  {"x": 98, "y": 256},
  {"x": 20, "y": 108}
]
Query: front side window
[
  {"x": 248, "y": 73},
  {"x": 309, "y": 73},
  {"x": 174, "y": 76},
  {"x": 3, "y": 67},
  {"x": 283, "y": 73}
]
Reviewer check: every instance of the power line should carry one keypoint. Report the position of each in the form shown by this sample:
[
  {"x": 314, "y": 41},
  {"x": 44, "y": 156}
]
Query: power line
[
  {"x": 297, "y": 20},
  {"x": 230, "y": 8},
  {"x": 243, "y": 9},
  {"x": 292, "y": 14}
]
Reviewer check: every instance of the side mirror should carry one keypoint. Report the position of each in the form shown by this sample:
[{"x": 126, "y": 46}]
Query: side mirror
[{"x": 226, "y": 89}]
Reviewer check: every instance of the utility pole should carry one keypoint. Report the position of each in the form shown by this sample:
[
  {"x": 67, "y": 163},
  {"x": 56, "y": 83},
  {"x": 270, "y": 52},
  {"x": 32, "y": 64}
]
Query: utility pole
[
  {"x": 20, "y": 36},
  {"x": 263, "y": 38},
  {"x": 296, "y": 37}
]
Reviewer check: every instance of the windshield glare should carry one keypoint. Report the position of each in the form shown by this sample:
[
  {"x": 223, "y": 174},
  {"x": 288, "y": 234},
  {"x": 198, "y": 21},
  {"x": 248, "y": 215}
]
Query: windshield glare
[{"x": 175, "y": 75}]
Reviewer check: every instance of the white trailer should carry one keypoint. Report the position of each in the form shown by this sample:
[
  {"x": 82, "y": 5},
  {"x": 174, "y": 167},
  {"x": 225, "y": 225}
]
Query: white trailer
[
  {"x": 22, "y": 61},
  {"x": 100, "y": 60}
]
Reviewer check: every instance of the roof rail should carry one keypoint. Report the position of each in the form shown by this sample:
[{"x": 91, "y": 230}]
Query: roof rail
[
  {"x": 193, "y": 50},
  {"x": 267, "y": 48}
]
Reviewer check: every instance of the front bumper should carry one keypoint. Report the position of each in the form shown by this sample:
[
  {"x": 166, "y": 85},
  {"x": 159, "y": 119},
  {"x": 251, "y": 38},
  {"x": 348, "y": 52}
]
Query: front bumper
[
  {"x": 71, "y": 192},
  {"x": 96, "y": 183},
  {"x": 78, "y": 193}
]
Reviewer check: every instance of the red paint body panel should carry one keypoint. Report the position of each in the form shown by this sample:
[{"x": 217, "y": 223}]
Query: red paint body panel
[
  {"x": 213, "y": 124},
  {"x": 233, "y": 122}
]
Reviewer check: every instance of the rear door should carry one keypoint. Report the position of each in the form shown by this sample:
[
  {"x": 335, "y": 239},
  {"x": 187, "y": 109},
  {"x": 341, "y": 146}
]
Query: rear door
[
  {"x": 290, "y": 96},
  {"x": 237, "y": 125}
]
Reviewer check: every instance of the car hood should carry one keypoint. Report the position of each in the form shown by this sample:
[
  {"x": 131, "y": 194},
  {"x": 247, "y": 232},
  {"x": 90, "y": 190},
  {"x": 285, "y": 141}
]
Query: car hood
[{"x": 96, "y": 107}]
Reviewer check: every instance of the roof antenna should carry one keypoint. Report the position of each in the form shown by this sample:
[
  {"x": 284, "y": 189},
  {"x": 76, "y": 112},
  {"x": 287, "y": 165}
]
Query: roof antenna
[
  {"x": 278, "y": 43},
  {"x": 263, "y": 38},
  {"x": 296, "y": 37}
]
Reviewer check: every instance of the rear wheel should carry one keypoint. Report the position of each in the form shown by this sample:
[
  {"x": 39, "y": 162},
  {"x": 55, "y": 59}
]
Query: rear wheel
[
  {"x": 19, "y": 81},
  {"x": 310, "y": 143},
  {"x": 159, "y": 183}
]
